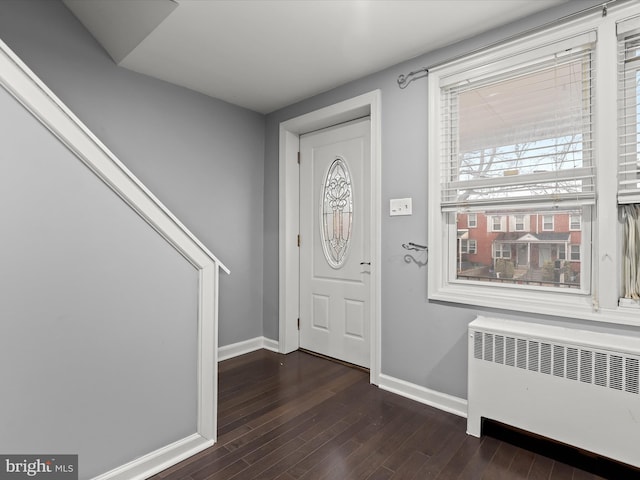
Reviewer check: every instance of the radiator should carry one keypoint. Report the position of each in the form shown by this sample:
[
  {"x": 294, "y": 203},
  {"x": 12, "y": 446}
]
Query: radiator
[{"x": 575, "y": 386}]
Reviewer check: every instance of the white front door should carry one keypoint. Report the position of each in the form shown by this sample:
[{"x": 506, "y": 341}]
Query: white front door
[
  {"x": 335, "y": 256},
  {"x": 545, "y": 254}
]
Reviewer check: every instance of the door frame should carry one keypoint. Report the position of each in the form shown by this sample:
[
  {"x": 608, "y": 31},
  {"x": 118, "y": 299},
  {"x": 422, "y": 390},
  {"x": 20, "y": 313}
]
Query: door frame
[{"x": 368, "y": 104}]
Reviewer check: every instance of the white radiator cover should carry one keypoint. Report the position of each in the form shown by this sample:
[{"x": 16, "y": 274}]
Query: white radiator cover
[{"x": 575, "y": 386}]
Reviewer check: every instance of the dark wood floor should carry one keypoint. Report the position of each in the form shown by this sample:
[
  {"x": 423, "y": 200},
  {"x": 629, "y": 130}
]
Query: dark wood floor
[{"x": 301, "y": 417}]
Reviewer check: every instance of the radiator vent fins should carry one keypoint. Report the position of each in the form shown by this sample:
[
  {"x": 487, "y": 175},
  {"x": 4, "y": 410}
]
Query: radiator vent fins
[
  {"x": 586, "y": 366},
  {"x": 499, "y": 349},
  {"x": 615, "y": 372},
  {"x": 521, "y": 353},
  {"x": 545, "y": 354},
  {"x": 558, "y": 361},
  {"x": 631, "y": 375},
  {"x": 572, "y": 363},
  {"x": 600, "y": 368},
  {"x": 510, "y": 355}
]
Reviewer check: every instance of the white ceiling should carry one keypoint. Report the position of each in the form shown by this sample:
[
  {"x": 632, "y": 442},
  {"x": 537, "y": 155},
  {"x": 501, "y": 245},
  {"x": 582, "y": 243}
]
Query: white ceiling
[{"x": 267, "y": 54}]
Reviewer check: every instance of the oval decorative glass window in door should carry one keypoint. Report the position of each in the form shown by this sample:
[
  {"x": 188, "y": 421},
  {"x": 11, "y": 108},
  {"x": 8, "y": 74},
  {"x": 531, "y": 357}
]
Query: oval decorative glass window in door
[{"x": 336, "y": 213}]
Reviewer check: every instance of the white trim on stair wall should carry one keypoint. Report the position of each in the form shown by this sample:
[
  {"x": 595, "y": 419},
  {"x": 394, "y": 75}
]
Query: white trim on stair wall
[{"x": 17, "y": 79}]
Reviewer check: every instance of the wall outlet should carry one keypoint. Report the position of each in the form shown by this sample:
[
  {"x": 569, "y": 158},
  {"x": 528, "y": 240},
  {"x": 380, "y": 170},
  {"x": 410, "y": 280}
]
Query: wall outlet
[{"x": 400, "y": 206}]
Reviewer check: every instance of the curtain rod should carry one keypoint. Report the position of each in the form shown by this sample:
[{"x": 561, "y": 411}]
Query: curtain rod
[{"x": 405, "y": 80}]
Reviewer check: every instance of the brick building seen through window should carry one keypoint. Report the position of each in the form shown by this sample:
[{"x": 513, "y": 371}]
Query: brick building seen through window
[{"x": 524, "y": 248}]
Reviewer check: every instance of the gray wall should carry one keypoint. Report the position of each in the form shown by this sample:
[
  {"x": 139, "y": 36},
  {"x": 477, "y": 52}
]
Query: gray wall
[
  {"x": 203, "y": 158},
  {"x": 422, "y": 342},
  {"x": 98, "y": 313}
]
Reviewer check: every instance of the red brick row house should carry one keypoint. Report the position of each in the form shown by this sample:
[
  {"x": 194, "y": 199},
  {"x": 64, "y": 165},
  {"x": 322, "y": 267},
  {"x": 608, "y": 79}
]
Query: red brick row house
[{"x": 526, "y": 242}]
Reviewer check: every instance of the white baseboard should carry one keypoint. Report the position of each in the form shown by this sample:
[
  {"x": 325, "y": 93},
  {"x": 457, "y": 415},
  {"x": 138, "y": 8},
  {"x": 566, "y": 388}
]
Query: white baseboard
[
  {"x": 271, "y": 345},
  {"x": 159, "y": 460},
  {"x": 442, "y": 401},
  {"x": 246, "y": 346}
]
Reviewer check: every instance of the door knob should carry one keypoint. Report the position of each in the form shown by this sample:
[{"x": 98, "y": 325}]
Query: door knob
[{"x": 365, "y": 263}]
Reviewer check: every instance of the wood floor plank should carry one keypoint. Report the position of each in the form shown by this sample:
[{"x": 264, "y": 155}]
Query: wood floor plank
[
  {"x": 561, "y": 471},
  {"x": 368, "y": 439},
  {"x": 326, "y": 467},
  {"x": 477, "y": 463},
  {"x": 306, "y": 449},
  {"x": 274, "y": 455},
  {"x": 498, "y": 467},
  {"x": 378, "y": 437},
  {"x": 270, "y": 403},
  {"x": 540, "y": 468},
  {"x": 221, "y": 474},
  {"x": 384, "y": 444},
  {"x": 425, "y": 439},
  {"x": 259, "y": 445},
  {"x": 204, "y": 459},
  {"x": 414, "y": 462},
  {"x": 521, "y": 464},
  {"x": 309, "y": 418},
  {"x": 381, "y": 473},
  {"x": 300, "y": 417},
  {"x": 302, "y": 467},
  {"x": 458, "y": 461},
  {"x": 582, "y": 475},
  {"x": 442, "y": 455}
]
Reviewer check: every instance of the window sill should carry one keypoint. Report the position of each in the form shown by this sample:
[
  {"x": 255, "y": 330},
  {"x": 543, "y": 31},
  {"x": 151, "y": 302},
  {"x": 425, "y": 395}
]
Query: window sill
[
  {"x": 629, "y": 303},
  {"x": 569, "y": 305}
]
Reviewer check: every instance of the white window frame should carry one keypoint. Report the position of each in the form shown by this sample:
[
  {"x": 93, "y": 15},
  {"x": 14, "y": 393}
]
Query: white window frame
[
  {"x": 474, "y": 223},
  {"x": 571, "y": 222},
  {"x": 544, "y": 222},
  {"x": 516, "y": 223},
  {"x": 500, "y": 223},
  {"x": 499, "y": 250},
  {"x": 472, "y": 247},
  {"x": 603, "y": 258},
  {"x": 562, "y": 252},
  {"x": 572, "y": 249}
]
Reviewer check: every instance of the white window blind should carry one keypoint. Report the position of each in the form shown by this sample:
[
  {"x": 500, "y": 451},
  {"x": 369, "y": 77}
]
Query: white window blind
[
  {"x": 524, "y": 136},
  {"x": 628, "y": 112}
]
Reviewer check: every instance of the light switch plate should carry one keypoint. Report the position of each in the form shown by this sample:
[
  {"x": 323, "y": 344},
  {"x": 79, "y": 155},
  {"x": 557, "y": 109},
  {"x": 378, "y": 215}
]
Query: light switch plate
[{"x": 400, "y": 206}]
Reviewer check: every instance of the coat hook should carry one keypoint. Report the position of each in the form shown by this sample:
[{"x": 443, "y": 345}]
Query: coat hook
[{"x": 408, "y": 258}]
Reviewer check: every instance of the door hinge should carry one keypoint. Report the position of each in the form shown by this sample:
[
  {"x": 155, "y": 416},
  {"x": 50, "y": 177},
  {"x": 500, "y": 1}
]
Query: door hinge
[
  {"x": 298, "y": 158},
  {"x": 298, "y": 324},
  {"x": 299, "y": 240}
]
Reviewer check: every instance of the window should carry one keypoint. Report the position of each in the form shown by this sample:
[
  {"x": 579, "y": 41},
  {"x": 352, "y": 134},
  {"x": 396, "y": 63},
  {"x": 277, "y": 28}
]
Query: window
[
  {"x": 629, "y": 122},
  {"x": 575, "y": 252},
  {"x": 562, "y": 252},
  {"x": 547, "y": 223},
  {"x": 472, "y": 220},
  {"x": 519, "y": 221},
  {"x": 468, "y": 246},
  {"x": 518, "y": 143},
  {"x": 511, "y": 133},
  {"x": 511, "y": 138},
  {"x": 473, "y": 247},
  {"x": 502, "y": 250},
  {"x": 575, "y": 221},
  {"x": 629, "y": 154}
]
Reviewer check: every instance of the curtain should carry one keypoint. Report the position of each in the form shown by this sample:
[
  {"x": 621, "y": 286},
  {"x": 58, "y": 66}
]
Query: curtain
[{"x": 631, "y": 254}]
